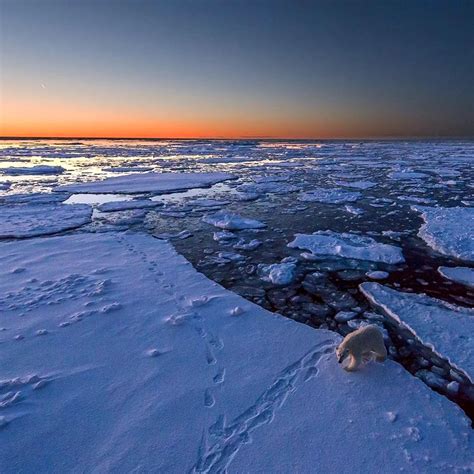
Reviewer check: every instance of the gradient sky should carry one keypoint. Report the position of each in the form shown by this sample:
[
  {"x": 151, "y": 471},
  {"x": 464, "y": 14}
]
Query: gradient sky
[{"x": 228, "y": 68}]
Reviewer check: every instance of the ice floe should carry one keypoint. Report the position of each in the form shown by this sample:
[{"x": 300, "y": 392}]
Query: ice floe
[
  {"x": 185, "y": 376},
  {"x": 227, "y": 221},
  {"x": 329, "y": 196},
  {"x": 23, "y": 221},
  {"x": 114, "y": 206},
  {"x": 277, "y": 273},
  {"x": 357, "y": 184},
  {"x": 463, "y": 275},
  {"x": 446, "y": 329},
  {"x": 448, "y": 230},
  {"x": 156, "y": 183},
  {"x": 347, "y": 245},
  {"x": 32, "y": 170}
]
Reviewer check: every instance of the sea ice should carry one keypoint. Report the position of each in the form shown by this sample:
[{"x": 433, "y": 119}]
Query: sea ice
[
  {"x": 446, "y": 329},
  {"x": 227, "y": 221},
  {"x": 463, "y": 275},
  {"x": 357, "y": 184},
  {"x": 32, "y": 170},
  {"x": 115, "y": 206},
  {"x": 156, "y": 183},
  {"x": 198, "y": 390},
  {"x": 24, "y": 221},
  {"x": 277, "y": 273},
  {"x": 329, "y": 196},
  {"x": 448, "y": 230},
  {"x": 347, "y": 246}
]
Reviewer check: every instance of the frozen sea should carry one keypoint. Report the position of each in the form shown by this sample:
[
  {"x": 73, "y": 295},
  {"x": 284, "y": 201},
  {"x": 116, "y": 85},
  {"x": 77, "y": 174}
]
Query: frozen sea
[{"x": 333, "y": 235}]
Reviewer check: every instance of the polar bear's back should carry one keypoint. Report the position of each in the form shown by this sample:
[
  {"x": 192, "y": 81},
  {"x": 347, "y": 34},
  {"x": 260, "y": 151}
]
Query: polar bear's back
[{"x": 364, "y": 339}]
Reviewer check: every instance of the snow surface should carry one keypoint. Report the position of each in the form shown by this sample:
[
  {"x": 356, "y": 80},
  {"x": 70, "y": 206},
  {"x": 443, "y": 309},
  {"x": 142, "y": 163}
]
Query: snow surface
[
  {"x": 224, "y": 220},
  {"x": 157, "y": 183},
  {"x": 448, "y": 230},
  {"x": 463, "y": 275},
  {"x": 347, "y": 245},
  {"x": 119, "y": 366},
  {"x": 329, "y": 196},
  {"x": 24, "y": 221},
  {"x": 447, "y": 329}
]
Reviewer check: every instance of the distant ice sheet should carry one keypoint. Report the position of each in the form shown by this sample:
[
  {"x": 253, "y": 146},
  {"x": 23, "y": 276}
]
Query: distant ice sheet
[{"x": 157, "y": 183}]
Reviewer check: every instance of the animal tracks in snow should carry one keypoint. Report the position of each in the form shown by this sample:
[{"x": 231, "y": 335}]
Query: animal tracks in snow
[{"x": 222, "y": 442}]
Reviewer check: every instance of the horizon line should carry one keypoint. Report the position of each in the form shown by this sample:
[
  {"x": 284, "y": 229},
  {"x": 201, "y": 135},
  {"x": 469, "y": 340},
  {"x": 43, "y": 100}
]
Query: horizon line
[{"x": 243, "y": 138}]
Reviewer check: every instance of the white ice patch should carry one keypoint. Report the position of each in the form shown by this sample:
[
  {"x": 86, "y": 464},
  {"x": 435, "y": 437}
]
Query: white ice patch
[
  {"x": 329, "y": 196},
  {"x": 445, "y": 328},
  {"x": 347, "y": 246},
  {"x": 32, "y": 170},
  {"x": 156, "y": 183},
  {"x": 227, "y": 221},
  {"x": 448, "y": 230},
  {"x": 463, "y": 275},
  {"x": 30, "y": 221},
  {"x": 277, "y": 273}
]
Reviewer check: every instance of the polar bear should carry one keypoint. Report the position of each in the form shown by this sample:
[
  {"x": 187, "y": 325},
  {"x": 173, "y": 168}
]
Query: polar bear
[{"x": 361, "y": 345}]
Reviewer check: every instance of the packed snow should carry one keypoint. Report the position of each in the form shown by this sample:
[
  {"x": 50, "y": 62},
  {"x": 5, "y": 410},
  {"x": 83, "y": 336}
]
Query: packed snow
[
  {"x": 347, "y": 245},
  {"x": 449, "y": 231},
  {"x": 24, "y": 221},
  {"x": 118, "y": 365},
  {"x": 156, "y": 183},
  {"x": 447, "y": 329}
]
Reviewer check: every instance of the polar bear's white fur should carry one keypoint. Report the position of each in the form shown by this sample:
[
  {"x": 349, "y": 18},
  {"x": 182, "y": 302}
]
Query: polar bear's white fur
[{"x": 360, "y": 345}]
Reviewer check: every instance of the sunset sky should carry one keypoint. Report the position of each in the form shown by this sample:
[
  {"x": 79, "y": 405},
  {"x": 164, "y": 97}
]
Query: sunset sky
[{"x": 217, "y": 68}]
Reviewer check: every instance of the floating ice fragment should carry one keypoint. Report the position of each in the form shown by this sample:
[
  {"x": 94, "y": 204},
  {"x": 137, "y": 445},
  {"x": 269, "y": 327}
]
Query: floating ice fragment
[
  {"x": 228, "y": 221},
  {"x": 347, "y": 246}
]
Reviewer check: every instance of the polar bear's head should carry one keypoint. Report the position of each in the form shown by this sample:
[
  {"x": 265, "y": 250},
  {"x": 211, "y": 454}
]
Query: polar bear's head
[{"x": 342, "y": 352}]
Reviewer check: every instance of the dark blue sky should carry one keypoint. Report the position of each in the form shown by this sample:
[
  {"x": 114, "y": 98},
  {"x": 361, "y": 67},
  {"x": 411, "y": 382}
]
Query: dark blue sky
[{"x": 237, "y": 68}]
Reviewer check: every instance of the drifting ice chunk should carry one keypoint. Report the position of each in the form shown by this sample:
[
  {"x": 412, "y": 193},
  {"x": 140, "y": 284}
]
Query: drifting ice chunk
[
  {"x": 156, "y": 183},
  {"x": 447, "y": 329},
  {"x": 329, "y": 196},
  {"x": 228, "y": 221},
  {"x": 42, "y": 219},
  {"x": 114, "y": 206},
  {"x": 32, "y": 170},
  {"x": 278, "y": 273},
  {"x": 449, "y": 230},
  {"x": 407, "y": 175},
  {"x": 357, "y": 184},
  {"x": 463, "y": 275},
  {"x": 347, "y": 246}
]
